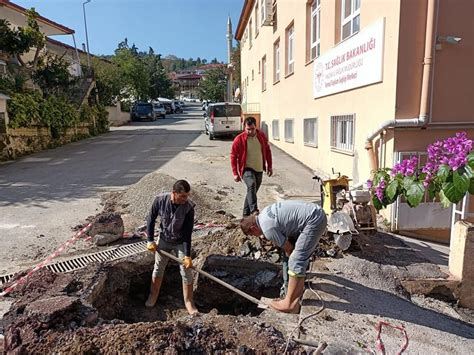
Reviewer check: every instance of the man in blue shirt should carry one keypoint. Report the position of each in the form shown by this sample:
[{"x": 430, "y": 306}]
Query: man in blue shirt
[{"x": 294, "y": 226}]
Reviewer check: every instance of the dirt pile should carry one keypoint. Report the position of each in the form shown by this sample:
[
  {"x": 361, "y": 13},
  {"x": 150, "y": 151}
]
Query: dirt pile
[{"x": 137, "y": 199}]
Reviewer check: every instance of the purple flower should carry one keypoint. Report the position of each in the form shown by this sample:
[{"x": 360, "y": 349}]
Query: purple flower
[
  {"x": 407, "y": 167},
  {"x": 452, "y": 151},
  {"x": 380, "y": 189},
  {"x": 369, "y": 184}
]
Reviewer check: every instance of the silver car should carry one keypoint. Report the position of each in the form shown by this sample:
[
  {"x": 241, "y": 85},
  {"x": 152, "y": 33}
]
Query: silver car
[
  {"x": 222, "y": 118},
  {"x": 159, "y": 110}
]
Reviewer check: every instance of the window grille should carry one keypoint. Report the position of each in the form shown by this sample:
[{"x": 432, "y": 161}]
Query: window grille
[
  {"x": 289, "y": 130},
  {"x": 276, "y": 130},
  {"x": 342, "y": 132},
  {"x": 310, "y": 131}
]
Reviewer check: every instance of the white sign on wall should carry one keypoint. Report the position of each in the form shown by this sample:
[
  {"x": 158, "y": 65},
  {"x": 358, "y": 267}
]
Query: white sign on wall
[{"x": 356, "y": 62}]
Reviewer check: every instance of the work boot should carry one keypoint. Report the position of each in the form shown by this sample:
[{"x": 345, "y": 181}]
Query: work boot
[
  {"x": 154, "y": 291},
  {"x": 290, "y": 303},
  {"x": 188, "y": 299}
]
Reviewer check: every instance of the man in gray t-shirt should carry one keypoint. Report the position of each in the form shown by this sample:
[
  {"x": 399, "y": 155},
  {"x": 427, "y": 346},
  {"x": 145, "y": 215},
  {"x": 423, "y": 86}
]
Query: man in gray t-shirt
[{"x": 294, "y": 226}]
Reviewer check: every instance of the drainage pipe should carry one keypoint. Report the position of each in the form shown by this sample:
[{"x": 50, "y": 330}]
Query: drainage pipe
[{"x": 422, "y": 119}]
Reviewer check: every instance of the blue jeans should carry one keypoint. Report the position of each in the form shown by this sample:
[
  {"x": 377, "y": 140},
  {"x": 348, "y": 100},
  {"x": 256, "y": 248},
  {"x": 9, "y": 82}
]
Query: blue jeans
[{"x": 253, "y": 180}]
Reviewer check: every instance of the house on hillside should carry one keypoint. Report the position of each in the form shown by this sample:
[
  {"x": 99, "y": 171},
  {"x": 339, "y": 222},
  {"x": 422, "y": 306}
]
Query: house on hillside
[
  {"x": 355, "y": 85},
  {"x": 16, "y": 16}
]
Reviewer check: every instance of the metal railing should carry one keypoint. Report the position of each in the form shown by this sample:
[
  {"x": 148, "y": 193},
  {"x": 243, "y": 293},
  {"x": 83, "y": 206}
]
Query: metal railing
[{"x": 251, "y": 107}]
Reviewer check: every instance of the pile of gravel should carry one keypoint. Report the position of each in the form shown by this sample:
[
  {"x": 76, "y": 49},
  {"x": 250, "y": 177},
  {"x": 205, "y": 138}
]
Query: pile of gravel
[{"x": 137, "y": 199}]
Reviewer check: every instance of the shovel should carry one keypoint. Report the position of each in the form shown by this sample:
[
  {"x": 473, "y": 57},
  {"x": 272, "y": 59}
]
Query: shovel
[{"x": 259, "y": 303}]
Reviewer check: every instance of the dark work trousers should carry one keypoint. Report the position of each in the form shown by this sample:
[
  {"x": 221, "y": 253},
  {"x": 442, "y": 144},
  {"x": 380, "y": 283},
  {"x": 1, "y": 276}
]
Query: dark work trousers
[{"x": 253, "y": 180}]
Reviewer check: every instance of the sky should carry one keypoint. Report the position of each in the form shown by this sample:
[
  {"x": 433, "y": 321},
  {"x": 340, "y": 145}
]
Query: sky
[{"x": 185, "y": 28}]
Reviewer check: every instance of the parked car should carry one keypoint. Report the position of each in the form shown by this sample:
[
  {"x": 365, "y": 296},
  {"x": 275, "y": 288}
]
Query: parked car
[
  {"x": 142, "y": 111},
  {"x": 168, "y": 104},
  {"x": 159, "y": 110},
  {"x": 177, "y": 107},
  {"x": 222, "y": 118}
]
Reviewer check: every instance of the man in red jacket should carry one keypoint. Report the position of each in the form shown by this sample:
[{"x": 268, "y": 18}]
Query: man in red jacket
[{"x": 250, "y": 156}]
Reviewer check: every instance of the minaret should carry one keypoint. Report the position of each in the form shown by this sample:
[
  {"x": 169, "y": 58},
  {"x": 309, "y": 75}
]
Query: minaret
[{"x": 229, "y": 39}]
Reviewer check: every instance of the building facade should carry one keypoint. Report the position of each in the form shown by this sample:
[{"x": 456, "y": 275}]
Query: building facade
[{"x": 353, "y": 85}]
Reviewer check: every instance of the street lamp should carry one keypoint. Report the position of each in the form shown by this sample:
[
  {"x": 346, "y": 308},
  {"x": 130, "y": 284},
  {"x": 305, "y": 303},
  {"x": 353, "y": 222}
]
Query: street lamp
[{"x": 85, "y": 26}]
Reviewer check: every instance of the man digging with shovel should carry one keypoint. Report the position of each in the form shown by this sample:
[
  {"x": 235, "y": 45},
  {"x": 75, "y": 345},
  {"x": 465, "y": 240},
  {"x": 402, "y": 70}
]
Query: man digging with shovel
[
  {"x": 177, "y": 217},
  {"x": 286, "y": 221}
]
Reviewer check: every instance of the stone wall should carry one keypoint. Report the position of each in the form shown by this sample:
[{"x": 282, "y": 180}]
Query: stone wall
[{"x": 21, "y": 141}]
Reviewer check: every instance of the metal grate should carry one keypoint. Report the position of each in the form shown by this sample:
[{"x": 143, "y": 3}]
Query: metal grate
[{"x": 82, "y": 261}]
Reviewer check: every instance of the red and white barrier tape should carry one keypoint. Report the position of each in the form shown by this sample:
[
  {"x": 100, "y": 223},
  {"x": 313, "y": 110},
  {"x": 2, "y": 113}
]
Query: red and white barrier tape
[
  {"x": 379, "y": 343},
  {"x": 42, "y": 264}
]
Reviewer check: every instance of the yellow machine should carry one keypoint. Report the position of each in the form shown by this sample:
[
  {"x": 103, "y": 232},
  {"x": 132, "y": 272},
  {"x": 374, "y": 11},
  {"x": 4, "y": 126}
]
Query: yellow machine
[{"x": 329, "y": 190}]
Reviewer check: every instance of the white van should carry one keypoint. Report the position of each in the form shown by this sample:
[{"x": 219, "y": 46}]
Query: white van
[{"x": 222, "y": 118}]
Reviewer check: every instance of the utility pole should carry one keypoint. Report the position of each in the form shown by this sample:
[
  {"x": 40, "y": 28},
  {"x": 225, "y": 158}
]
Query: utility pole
[{"x": 85, "y": 26}]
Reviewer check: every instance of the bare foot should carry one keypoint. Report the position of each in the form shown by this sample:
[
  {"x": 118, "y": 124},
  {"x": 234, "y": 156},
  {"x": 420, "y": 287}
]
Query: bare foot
[
  {"x": 191, "y": 308},
  {"x": 151, "y": 301},
  {"x": 284, "y": 306}
]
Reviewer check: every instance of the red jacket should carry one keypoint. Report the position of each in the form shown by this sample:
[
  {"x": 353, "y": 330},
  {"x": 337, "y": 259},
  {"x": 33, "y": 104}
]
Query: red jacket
[{"x": 238, "y": 153}]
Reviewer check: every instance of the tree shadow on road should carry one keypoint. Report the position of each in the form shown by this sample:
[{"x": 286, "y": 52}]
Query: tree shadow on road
[{"x": 84, "y": 168}]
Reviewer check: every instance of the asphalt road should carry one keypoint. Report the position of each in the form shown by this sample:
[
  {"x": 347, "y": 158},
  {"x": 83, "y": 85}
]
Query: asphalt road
[{"x": 45, "y": 194}]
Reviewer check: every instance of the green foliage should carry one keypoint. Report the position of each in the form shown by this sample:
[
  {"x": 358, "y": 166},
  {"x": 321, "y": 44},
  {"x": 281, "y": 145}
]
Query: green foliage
[
  {"x": 17, "y": 42},
  {"x": 24, "y": 109},
  {"x": 52, "y": 75},
  {"x": 109, "y": 82},
  {"x": 213, "y": 87},
  {"x": 450, "y": 181},
  {"x": 235, "y": 59}
]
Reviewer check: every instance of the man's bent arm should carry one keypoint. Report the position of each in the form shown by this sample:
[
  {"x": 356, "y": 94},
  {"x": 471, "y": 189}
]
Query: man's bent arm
[{"x": 151, "y": 219}]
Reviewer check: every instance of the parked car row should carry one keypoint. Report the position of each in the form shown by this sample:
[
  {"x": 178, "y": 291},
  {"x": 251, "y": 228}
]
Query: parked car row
[
  {"x": 222, "y": 118},
  {"x": 153, "y": 110}
]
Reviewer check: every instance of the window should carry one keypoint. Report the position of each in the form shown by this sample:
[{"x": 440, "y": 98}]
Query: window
[
  {"x": 263, "y": 14},
  {"x": 250, "y": 33},
  {"x": 276, "y": 61},
  {"x": 264, "y": 73},
  {"x": 350, "y": 18},
  {"x": 276, "y": 130},
  {"x": 289, "y": 130},
  {"x": 290, "y": 49},
  {"x": 264, "y": 128},
  {"x": 275, "y": 16},
  {"x": 310, "y": 131},
  {"x": 256, "y": 18},
  {"x": 315, "y": 29},
  {"x": 342, "y": 132}
]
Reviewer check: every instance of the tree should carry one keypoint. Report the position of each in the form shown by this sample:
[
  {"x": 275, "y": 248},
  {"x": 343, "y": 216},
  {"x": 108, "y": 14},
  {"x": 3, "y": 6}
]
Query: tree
[
  {"x": 109, "y": 81},
  {"x": 52, "y": 75},
  {"x": 17, "y": 42},
  {"x": 235, "y": 60},
  {"x": 213, "y": 86}
]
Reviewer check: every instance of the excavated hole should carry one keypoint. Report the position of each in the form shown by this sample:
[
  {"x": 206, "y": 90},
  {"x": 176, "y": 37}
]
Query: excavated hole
[{"x": 125, "y": 300}]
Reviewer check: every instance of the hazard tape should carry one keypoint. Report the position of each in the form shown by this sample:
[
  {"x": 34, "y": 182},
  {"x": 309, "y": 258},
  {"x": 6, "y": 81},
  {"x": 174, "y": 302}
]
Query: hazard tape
[{"x": 42, "y": 264}]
